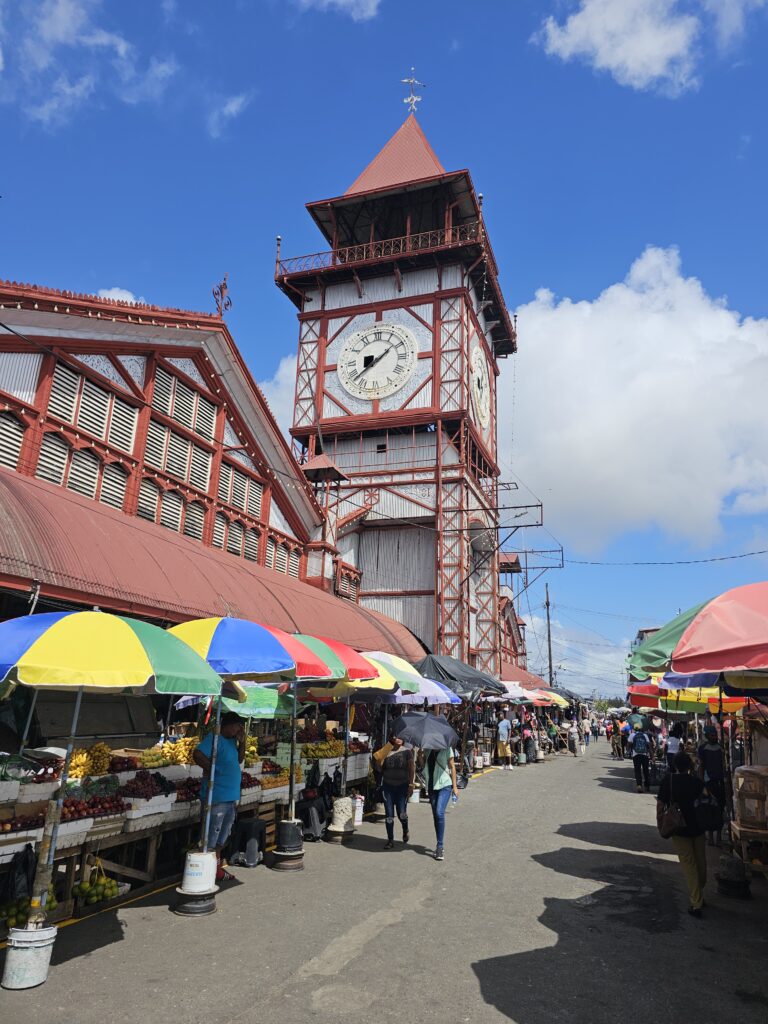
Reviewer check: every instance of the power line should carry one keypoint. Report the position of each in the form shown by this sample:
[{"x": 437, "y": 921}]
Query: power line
[
  {"x": 610, "y": 615},
  {"x": 679, "y": 561}
]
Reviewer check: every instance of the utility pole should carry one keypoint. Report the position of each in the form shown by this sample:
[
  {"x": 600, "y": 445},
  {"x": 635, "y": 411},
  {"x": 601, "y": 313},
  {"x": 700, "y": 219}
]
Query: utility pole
[{"x": 549, "y": 634}]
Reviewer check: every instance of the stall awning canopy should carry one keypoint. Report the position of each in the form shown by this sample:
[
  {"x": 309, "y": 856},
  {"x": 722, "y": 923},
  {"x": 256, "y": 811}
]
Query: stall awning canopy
[
  {"x": 87, "y": 553},
  {"x": 458, "y": 676}
]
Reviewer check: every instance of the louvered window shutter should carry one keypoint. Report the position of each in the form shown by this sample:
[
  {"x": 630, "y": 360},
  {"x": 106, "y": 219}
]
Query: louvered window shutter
[
  {"x": 148, "y": 498},
  {"x": 219, "y": 528},
  {"x": 252, "y": 545},
  {"x": 235, "y": 538},
  {"x": 271, "y": 548},
  {"x": 225, "y": 482},
  {"x": 205, "y": 423},
  {"x": 113, "y": 483},
  {"x": 154, "y": 451},
  {"x": 11, "y": 437},
  {"x": 163, "y": 391},
  {"x": 177, "y": 460},
  {"x": 281, "y": 561},
  {"x": 94, "y": 406},
  {"x": 200, "y": 469},
  {"x": 239, "y": 488},
  {"x": 254, "y": 498},
  {"x": 122, "y": 426},
  {"x": 293, "y": 564},
  {"x": 184, "y": 404},
  {"x": 64, "y": 390},
  {"x": 194, "y": 521},
  {"x": 171, "y": 507},
  {"x": 54, "y": 452},
  {"x": 83, "y": 473}
]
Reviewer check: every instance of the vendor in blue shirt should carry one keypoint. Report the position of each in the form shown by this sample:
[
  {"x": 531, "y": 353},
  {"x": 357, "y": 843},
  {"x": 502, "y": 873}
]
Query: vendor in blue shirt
[{"x": 226, "y": 780}]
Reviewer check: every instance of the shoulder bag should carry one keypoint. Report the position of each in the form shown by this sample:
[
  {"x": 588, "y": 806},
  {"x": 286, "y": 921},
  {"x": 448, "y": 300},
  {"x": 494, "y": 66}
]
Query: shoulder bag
[{"x": 672, "y": 820}]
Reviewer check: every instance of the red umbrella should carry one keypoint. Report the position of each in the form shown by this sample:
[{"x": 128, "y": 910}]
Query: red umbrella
[
  {"x": 728, "y": 634},
  {"x": 308, "y": 664}
]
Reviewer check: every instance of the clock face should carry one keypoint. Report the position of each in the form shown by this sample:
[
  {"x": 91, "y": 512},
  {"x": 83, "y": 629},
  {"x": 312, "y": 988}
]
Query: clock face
[
  {"x": 481, "y": 387},
  {"x": 377, "y": 361}
]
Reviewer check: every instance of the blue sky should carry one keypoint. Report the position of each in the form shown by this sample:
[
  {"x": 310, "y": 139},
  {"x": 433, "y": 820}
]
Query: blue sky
[{"x": 621, "y": 147}]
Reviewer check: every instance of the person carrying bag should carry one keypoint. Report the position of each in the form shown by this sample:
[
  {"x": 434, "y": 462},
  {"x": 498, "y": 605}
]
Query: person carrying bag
[{"x": 678, "y": 819}]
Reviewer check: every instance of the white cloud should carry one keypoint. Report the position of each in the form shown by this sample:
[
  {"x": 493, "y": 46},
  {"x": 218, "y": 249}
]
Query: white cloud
[
  {"x": 225, "y": 111},
  {"x": 119, "y": 295},
  {"x": 642, "y": 43},
  {"x": 730, "y": 17},
  {"x": 358, "y": 10},
  {"x": 279, "y": 392},
  {"x": 642, "y": 408},
  {"x": 61, "y": 58},
  {"x": 64, "y": 98}
]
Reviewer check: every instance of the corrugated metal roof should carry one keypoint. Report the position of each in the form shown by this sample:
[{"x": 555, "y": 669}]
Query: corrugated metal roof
[
  {"x": 82, "y": 550},
  {"x": 514, "y": 674},
  {"x": 406, "y": 157}
]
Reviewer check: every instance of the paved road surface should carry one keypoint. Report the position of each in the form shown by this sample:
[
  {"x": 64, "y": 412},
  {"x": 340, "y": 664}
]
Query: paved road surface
[{"x": 557, "y": 901}]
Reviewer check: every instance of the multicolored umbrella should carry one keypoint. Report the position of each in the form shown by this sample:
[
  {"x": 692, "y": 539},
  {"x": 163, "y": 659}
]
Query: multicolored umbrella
[
  {"x": 99, "y": 652},
  {"x": 405, "y": 675},
  {"x": 258, "y": 702},
  {"x": 308, "y": 664},
  {"x": 429, "y": 690},
  {"x": 237, "y": 648},
  {"x": 726, "y": 634},
  {"x": 361, "y": 680}
]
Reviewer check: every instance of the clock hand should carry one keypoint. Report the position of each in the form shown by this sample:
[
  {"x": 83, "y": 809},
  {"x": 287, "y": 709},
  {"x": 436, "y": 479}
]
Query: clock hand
[{"x": 376, "y": 360}]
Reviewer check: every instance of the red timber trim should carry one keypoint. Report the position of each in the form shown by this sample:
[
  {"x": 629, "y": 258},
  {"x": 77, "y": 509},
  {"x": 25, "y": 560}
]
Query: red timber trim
[
  {"x": 210, "y": 512},
  {"x": 145, "y": 412}
]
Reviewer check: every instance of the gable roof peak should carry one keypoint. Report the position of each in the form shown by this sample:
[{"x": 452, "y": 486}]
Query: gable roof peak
[{"x": 407, "y": 156}]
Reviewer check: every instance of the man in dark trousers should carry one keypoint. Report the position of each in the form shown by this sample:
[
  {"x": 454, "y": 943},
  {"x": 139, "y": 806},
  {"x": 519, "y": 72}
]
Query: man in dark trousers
[{"x": 642, "y": 748}]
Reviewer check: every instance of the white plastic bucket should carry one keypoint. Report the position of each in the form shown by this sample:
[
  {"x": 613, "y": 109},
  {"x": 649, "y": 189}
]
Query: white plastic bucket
[
  {"x": 199, "y": 872},
  {"x": 359, "y": 805},
  {"x": 522, "y": 759},
  {"x": 28, "y": 957},
  {"x": 539, "y": 754},
  {"x": 478, "y": 762},
  {"x": 415, "y": 796},
  {"x": 486, "y": 759}
]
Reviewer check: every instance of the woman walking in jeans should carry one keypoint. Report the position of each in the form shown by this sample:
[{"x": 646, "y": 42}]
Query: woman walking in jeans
[
  {"x": 440, "y": 773},
  {"x": 397, "y": 771}
]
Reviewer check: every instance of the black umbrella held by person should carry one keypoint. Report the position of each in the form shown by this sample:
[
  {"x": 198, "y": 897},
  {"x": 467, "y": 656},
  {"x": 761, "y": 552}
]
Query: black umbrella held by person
[{"x": 425, "y": 730}]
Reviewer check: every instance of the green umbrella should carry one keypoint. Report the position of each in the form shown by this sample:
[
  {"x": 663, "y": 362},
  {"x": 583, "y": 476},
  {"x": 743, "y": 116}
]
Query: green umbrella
[
  {"x": 654, "y": 656},
  {"x": 261, "y": 702}
]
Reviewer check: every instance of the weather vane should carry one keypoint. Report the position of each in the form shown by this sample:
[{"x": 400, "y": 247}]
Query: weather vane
[
  {"x": 412, "y": 99},
  {"x": 221, "y": 298}
]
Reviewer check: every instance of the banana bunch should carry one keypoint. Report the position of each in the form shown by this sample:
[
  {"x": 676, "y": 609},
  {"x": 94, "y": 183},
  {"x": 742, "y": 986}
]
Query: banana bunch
[
  {"x": 78, "y": 766},
  {"x": 327, "y": 748},
  {"x": 273, "y": 781},
  {"x": 179, "y": 752},
  {"x": 99, "y": 757}
]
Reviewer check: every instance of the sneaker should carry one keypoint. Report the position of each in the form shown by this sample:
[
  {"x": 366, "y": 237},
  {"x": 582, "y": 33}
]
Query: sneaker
[
  {"x": 389, "y": 845},
  {"x": 406, "y": 836},
  {"x": 439, "y": 853}
]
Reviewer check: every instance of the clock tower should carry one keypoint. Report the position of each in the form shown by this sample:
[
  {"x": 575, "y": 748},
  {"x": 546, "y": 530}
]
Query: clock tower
[{"x": 402, "y": 324}]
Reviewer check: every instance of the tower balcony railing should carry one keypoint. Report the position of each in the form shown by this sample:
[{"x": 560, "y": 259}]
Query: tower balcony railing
[{"x": 385, "y": 249}]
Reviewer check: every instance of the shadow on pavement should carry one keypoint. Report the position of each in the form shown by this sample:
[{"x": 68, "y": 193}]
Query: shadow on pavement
[
  {"x": 622, "y": 835},
  {"x": 633, "y": 938},
  {"x": 364, "y": 842}
]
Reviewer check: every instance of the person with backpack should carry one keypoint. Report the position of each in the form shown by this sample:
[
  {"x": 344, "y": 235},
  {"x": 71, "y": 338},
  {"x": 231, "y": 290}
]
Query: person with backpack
[{"x": 642, "y": 747}]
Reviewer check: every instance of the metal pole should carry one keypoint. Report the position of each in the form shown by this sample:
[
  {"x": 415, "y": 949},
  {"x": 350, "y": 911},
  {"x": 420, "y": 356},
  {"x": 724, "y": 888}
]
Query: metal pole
[
  {"x": 386, "y": 725},
  {"x": 209, "y": 794},
  {"x": 346, "y": 750},
  {"x": 28, "y": 722},
  {"x": 291, "y": 780},
  {"x": 549, "y": 634},
  {"x": 44, "y": 871}
]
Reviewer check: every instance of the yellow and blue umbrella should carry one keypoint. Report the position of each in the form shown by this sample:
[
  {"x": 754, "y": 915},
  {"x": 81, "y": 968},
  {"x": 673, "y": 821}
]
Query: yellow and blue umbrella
[
  {"x": 238, "y": 648},
  {"x": 99, "y": 652},
  {"x": 404, "y": 674}
]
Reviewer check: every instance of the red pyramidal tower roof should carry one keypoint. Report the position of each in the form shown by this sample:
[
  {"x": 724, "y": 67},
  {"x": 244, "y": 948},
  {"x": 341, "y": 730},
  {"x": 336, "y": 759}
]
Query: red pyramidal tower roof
[{"x": 406, "y": 157}]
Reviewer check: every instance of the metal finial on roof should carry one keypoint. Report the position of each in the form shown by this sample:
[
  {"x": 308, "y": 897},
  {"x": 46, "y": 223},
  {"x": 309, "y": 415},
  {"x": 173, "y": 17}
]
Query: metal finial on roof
[
  {"x": 221, "y": 298},
  {"x": 412, "y": 99}
]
